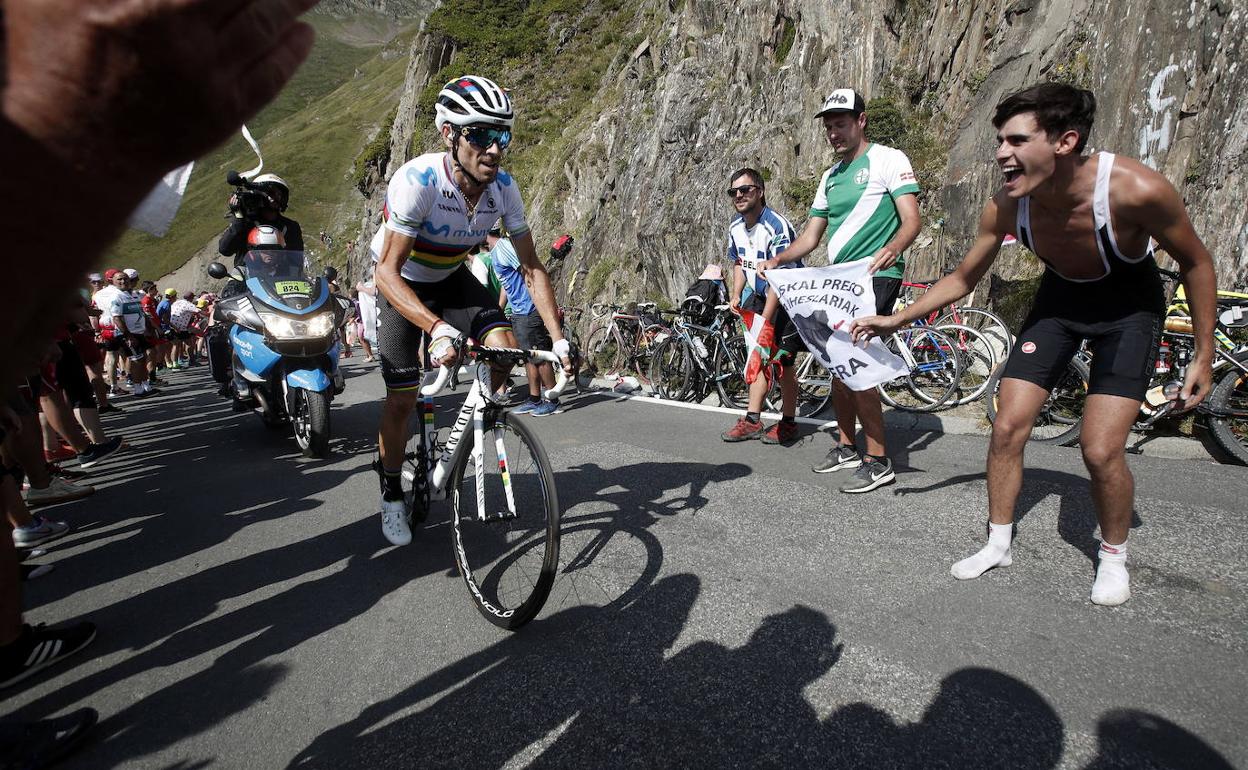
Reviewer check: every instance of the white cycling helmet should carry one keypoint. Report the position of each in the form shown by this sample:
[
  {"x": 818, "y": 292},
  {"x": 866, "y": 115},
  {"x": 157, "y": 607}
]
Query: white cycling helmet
[
  {"x": 473, "y": 100},
  {"x": 272, "y": 183}
]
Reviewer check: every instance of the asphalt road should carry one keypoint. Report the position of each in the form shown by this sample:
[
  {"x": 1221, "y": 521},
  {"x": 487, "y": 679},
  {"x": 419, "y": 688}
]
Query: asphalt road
[{"x": 719, "y": 605}]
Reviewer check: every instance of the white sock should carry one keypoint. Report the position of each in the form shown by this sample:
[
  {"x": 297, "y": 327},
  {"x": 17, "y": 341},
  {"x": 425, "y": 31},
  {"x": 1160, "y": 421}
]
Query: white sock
[
  {"x": 1112, "y": 585},
  {"x": 995, "y": 554}
]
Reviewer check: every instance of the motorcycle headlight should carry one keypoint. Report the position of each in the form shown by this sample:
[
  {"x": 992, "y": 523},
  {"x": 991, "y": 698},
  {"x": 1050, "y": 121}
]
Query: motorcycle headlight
[{"x": 283, "y": 328}]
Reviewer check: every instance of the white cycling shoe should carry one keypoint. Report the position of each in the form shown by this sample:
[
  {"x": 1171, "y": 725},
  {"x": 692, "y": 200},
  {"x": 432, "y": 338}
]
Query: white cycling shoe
[{"x": 394, "y": 522}]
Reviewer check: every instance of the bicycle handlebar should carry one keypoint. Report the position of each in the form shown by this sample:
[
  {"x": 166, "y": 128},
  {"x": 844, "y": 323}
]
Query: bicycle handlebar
[{"x": 514, "y": 356}]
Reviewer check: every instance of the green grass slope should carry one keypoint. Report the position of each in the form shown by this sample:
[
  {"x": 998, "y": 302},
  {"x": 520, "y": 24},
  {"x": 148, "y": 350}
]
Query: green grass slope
[{"x": 310, "y": 136}]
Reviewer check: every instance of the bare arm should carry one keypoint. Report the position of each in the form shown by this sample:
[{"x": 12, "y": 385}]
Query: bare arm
[
  {"x": 951, "y": 288},
  {"x": 807, "y": 241},
  {"x": 1155, "y": 206},
  {"x": 394, "y": 252},
  {"x": 538, "y": 281},
  {"x": 911, "y": 223},
  {"x": 738, "y": 286}
]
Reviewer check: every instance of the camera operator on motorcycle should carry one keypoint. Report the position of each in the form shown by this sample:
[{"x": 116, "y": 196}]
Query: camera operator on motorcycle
[
  {"x": 262, "y": 203},
  {"x": 439, "y": 206}
]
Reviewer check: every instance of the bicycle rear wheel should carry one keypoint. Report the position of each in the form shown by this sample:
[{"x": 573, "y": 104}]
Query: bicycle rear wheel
[
  {"x": 1061, "y": 416},
  {"x": 985, "y": 322},
  {"x": 603, "y": 355},
  {"x": 979, "y": 360},
  {"x": 932, "y": 381},
  {"x": 730, "y": 357},
  {"x": 505, "y": 521},
  {"x": 671, "y": 369}
]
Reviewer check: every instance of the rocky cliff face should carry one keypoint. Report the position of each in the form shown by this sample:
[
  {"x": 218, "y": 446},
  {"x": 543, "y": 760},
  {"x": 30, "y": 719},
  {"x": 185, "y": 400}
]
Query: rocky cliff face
[{"x": 708, "y": 86}]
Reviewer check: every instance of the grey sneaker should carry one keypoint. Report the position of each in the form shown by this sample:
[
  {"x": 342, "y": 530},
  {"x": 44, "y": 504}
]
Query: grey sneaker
[
  {"x": 59, "y": 491},
  {"x": 839, "y": 457},
  {"x": 40, "y": 531},
  {"x": 870, "y": 474}
]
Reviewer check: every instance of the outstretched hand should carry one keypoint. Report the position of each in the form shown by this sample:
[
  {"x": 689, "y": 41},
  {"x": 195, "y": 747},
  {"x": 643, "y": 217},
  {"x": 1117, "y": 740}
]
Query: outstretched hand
[
  {"x": 863, "y": 329},
  {"x": 133, "y": 88}
]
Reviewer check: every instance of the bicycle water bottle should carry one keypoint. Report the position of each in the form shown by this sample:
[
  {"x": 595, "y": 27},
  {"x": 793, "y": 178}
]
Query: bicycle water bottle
[{"x": 700, "y": 347}]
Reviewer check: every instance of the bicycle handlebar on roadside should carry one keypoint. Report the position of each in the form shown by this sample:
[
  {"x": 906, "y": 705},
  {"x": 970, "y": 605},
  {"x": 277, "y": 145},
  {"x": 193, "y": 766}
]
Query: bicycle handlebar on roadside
[{"x": 515, "y": 356}]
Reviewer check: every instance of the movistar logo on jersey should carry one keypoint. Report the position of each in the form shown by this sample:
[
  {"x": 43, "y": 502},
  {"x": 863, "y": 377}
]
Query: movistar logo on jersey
[{"x": 426, "y": 178}]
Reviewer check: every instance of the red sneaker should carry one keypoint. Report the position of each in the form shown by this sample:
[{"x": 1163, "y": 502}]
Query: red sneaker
[
  {"x": 60, "y": 453},
  {"x": 781, "y": 433},
  {"x": 744, "y": 430}
]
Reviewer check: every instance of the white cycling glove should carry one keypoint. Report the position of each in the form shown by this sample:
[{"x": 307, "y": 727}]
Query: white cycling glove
[
  {"x": 442, "y": 340},
  {"x": 562, "y": 348}
]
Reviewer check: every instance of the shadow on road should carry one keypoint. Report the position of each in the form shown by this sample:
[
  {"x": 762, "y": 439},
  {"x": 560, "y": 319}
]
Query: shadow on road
[{"x": 1076, "y": 518}]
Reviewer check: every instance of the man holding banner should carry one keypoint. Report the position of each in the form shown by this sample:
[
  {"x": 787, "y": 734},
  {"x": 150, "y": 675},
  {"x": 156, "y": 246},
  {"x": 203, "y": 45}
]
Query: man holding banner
[
  {"x": 868, "y": 204},
  {"x": 756, "y": 235}
]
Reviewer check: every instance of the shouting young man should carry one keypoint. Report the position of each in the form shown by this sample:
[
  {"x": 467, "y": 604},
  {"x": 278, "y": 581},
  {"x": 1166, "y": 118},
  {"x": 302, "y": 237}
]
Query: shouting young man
[{"x": 1092, "y": 220}]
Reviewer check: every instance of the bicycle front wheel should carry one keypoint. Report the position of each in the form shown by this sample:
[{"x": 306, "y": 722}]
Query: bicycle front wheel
[
  {"x": 814, "y": 386},
  {"x": 730, "y": 357},
  {"x": 934, "y": 373},
  {"x": 979, "y": 360},
  {"x": 505, "y": 522}
]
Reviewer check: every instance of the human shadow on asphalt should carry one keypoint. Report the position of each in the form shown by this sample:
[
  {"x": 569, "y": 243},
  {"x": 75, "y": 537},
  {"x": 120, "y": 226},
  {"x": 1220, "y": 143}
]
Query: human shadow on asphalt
[
  {"x": 619, "y": 693},
  {"x": 1076, "y": 518},
  {"x": 172, "y": 618},
  {"x": 1138, "y": 739}
]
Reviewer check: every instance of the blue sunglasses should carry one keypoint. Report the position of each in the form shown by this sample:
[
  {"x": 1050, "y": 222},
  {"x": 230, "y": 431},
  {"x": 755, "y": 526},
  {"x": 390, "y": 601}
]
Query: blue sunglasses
[{"x": 484, "y": 136}]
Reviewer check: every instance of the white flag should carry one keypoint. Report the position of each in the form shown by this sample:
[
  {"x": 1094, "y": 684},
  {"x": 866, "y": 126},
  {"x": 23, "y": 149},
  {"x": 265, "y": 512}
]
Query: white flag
[
  {"x": 822, "y": 302},
  {"x": 156, "y": 212}
]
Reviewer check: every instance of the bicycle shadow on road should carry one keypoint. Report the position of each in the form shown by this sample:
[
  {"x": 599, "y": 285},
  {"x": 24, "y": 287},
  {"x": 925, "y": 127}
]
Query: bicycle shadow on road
[{"x": 1076, "y": 518}]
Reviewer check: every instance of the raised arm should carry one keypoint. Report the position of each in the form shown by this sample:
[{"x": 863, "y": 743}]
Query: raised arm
[{"x": 951, "y": 288}]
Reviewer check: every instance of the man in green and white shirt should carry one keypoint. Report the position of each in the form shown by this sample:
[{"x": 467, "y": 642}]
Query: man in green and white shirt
[{"x": 867, "y": 203}]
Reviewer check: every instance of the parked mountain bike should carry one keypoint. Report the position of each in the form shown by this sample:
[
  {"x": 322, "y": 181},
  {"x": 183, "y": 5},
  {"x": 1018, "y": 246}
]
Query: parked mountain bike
[
  {"x": 1225, "y": 410},
  {"x": 501, "y": 487}
]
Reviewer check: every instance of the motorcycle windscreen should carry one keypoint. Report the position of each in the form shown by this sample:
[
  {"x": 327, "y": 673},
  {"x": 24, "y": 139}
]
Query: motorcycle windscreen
[{"x": 282, "y": 274}]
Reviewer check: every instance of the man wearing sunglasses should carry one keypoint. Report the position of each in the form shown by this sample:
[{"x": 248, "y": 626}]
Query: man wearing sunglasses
[
  {"x": 868, "y": 203},
  {"x": 439, "y": 206},
  {"x": 757, "y": 234}
]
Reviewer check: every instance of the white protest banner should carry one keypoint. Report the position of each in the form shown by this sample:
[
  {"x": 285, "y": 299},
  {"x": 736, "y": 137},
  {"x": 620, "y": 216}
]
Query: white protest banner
[{"x": 823, "y": 302}]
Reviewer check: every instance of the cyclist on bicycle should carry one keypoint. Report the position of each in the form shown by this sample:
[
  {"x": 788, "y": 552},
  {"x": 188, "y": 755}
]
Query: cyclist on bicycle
[
  {"x": 1092, "y": 220},
  {"x": 438, "y": 207},
  {"x": 868, "y": 202}
]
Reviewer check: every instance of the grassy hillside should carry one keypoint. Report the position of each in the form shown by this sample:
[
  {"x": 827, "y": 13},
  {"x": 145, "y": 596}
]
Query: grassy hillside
[{"x": 309, "y": 136}]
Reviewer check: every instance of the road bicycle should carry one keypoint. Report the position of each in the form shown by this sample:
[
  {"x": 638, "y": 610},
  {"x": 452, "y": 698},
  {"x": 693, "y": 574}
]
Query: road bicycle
[
  {"x": 624, "y": 343},
  {"x": 933, "y": 369},
  {"x": 988, "y": 324},
  {"x": 1225, "y": 410},
  {"x": 500, "y": 484}
]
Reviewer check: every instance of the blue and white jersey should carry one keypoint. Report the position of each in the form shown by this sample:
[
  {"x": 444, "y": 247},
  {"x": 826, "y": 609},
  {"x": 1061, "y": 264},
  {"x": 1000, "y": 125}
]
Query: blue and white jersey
[
  {"x": 423, "y": 202},
  {"x": 747, "y": 247}
]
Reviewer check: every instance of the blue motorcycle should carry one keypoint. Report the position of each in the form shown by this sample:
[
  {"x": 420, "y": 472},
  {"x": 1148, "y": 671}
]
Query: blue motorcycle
[{"x": 283, "y": 331}]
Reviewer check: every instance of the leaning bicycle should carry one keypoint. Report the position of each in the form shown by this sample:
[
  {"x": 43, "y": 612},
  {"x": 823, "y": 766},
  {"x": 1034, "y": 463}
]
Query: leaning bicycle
[{"x": 495, "y": 474}]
